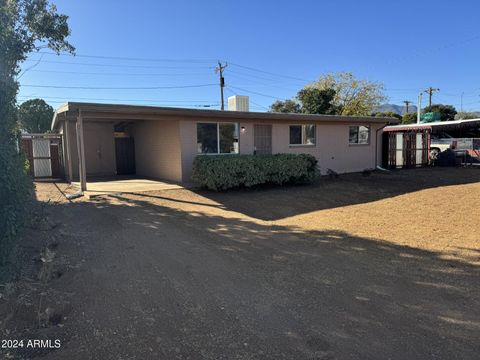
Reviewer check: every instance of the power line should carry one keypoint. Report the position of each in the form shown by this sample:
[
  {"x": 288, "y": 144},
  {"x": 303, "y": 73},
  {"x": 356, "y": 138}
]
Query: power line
[
  {"x": 160, "y": 104},
  {"x": 246, "y": 77},
  {"x": 117, "y": 88},
  {"x": 250, "y": 75},
  {"x": 258, "y": 84},
  {"x": 128, "y": 58},
  {"x": 167, "y": 60},
  {"x": 115, "y": 74},
  {"x": 268, "y": 72},
  {"x": 254, "y": 92},
  {"x": 119, "y": 65},
  {"x": 113, "y": 99},
  {"x": 152, "y": 102},
  {"x": 29, "y": 68}
]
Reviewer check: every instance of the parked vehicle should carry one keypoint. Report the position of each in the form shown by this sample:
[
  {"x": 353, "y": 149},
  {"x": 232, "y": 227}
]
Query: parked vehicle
[
  {"x": 440, "y": 142},
  {"x": 466, "y": 147}
]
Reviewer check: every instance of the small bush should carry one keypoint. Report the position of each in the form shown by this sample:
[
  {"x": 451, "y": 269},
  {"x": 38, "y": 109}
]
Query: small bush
[{"x": 222, "y": 172}]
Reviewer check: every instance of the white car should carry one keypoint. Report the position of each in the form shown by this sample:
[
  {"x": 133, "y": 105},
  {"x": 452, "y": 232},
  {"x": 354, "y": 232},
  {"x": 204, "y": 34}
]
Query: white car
[{"x": 440, "y": 142}]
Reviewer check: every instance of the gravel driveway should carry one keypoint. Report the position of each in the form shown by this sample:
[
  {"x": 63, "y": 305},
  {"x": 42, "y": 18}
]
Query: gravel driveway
[{"x": 184, "y": 275}]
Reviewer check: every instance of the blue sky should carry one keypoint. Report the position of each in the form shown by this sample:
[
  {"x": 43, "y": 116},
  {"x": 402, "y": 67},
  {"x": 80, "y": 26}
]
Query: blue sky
[{"x": 407, "y": 45}]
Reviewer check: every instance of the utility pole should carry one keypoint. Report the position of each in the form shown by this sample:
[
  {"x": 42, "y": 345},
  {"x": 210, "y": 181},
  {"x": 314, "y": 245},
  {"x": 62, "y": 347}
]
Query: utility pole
[
  {"x": 419, "y": 108},
  {"x": 461, "y": 102},
  {"x": 430, "y": 92},
  {"x": 406, "y": 102},
  {"x": 219, "y": 69}
]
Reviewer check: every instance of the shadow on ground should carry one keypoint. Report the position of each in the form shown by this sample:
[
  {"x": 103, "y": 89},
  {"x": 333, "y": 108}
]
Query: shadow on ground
[
  {"x": 349, "y": 189},
  {"x": 153, "y": 282}
]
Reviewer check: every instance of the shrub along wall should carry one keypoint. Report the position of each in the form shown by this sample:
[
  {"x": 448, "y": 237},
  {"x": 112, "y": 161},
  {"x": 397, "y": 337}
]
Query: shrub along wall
[
  {"x": 16, "y": 195},
  {"x": 222, "y": 172}
]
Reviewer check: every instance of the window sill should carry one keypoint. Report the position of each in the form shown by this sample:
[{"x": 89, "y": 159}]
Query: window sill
[
  {"x": 209, "y": 154},
  {"x": 302, "y": 145},
  {"x": 359, "y": 144}
]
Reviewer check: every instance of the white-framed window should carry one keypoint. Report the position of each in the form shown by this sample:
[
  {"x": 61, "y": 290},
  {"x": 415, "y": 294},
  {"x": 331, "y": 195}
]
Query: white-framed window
[
  {"x": 302, "y": 134},
  {"x": 359, "y": 135},
  {"x": 217, "y": 138}
]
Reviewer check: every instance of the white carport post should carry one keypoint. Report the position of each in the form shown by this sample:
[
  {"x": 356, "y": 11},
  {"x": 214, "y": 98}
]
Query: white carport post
[
  {"x": 66, "y": 146},
  {"x": 81, "y": 153}
]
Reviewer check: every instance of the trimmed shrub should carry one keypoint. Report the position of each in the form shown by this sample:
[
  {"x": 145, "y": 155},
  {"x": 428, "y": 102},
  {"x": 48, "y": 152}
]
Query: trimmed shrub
[{"x": 222, "y": 172}]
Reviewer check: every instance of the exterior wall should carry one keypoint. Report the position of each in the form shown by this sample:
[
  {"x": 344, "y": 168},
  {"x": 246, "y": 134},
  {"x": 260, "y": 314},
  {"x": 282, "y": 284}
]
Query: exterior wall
[
  {"x": 331, "y": 149},
  {"x": 157, "y": 149},
  {"x": 188, "y": 141},
  {"x": 71, "y": 144},
  {"x": 99, "y": 149},
  {"x": 166, "y": 148}
]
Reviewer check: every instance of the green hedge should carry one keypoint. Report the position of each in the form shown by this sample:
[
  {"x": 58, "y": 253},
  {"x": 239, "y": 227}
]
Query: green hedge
[
  {"x": 222, "y": 172},
  {"x": 16, "y": 198}
]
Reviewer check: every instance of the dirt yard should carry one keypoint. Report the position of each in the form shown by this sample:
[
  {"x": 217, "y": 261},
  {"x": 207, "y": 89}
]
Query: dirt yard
[{"x": 384, "y": 266}]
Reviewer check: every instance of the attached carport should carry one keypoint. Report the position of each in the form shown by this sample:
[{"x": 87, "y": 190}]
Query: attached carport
[{"x": 105, "y": 143}]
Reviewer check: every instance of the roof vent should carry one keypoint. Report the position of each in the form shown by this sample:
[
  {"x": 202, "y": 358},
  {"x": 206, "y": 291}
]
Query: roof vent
[{"x": 238, "y": 103}]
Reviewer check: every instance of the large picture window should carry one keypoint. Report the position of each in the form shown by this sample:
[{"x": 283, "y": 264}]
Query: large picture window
[
  {"x": 359, "y": 135},
  {"x": 217, "y": 138},
  {"x": 302, "y": 134}
]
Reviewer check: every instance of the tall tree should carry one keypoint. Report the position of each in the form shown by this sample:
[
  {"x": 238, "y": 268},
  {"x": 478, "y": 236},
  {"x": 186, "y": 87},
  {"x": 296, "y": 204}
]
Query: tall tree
[
  {"x": 35, "y": 116},
  {"x": 352, "y": 96},
  {"x": 25, "y": 26},
  {"x": 388, "y": 114},
  {"x": 409, "y": 118},
  {"x": 447, "y": 112},
  {"x": 287, "y": 106},
  {"x": 316, "y": 101},
  {"x": 309, "y": 100}
]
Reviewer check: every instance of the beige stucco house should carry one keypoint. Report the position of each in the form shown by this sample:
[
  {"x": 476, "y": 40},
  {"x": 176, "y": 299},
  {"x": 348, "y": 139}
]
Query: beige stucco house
[{"x": 158, "y": 142}]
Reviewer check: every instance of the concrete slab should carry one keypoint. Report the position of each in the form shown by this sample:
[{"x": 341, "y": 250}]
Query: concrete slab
[{"x": 128, "y": 186}]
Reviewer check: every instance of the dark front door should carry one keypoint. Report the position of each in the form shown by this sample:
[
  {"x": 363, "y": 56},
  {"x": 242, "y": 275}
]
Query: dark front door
[
  {"x": 56, "y": 159},
  {"x": 125, "y": 155},
  {"x": 262, "y": 139}
]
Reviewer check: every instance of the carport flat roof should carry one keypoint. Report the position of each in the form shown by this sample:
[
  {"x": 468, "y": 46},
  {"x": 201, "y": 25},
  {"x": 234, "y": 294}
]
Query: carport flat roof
[
  {"x": 120, "y": 111},
  {"x": 433, "y": 125}
]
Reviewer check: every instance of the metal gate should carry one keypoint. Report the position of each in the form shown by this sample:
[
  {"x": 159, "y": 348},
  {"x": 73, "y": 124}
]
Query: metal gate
[
  {"x": 406, "y": 149},
  {"x": 44, "y": 154},
  {"x": 262, "y": 139}
]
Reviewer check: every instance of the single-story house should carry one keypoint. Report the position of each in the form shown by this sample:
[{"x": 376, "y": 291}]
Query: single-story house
[{"x": 159, "y": 142}]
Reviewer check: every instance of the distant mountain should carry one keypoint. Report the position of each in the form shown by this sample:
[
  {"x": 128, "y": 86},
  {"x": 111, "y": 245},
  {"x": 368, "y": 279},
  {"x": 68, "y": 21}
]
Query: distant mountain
[{"x": 399, "y": 109}]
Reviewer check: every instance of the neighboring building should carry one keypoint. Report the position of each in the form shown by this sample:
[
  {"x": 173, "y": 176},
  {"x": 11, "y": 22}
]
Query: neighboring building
[{"x": 162, "y": 142}]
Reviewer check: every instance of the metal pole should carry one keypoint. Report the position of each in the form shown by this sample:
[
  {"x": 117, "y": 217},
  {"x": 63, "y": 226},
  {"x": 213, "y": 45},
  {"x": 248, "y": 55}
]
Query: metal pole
[
  {"x": 66, "y": 144},
  {"x": 81, "y": 148},
  {"x": 419, "y": 107}
]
